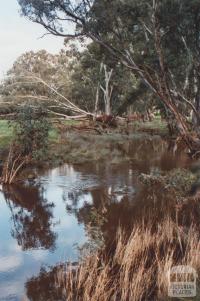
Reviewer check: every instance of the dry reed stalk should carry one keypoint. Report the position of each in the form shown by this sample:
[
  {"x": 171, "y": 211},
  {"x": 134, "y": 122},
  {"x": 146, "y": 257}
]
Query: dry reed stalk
[
  {"x": 139, "y": 266},
  {"x": 13, "y": 164}
]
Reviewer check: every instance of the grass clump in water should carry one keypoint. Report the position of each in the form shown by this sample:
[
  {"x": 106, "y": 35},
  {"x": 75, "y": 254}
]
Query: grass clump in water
[
  {"x": 138, "y": 267},
  {"x": 180, "y": 180}
]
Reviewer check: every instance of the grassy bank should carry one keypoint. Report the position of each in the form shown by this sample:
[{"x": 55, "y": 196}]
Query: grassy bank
[
  {"x": 69, "y": 143},
  {"x": 116, "y": 148},
  {"x": 113, "y": 145},
  {"x": 156, "y": 127}
]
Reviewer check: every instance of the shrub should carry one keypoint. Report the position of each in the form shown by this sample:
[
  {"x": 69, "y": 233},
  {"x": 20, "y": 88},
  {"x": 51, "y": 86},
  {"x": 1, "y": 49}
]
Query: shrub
[{"x": 31, "y": 131}]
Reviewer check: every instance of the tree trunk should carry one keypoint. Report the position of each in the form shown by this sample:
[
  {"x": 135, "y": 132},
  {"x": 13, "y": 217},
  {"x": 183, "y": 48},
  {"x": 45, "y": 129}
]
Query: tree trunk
[
  {"x": 108, "y": 90},
  {"x": 196, "y": 117},
  {"x": 96, "y": 102}
]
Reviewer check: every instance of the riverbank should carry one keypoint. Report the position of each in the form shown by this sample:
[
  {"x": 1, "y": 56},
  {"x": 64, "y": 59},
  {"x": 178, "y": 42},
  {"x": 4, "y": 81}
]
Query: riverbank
[
  {"x": 156, "y": 127},
  {"x": 72, "y": 142},
  {"x": 77, "y": 142}
]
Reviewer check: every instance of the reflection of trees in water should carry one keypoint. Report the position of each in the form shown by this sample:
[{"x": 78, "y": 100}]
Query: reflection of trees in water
[
  {"x": 43, "y": 287},
  {"x": 32, "y": 217},
  {"x": 81, "y": 205},
  {"x": 102, "y": 214},
  {"x": 105, "y": 211}
]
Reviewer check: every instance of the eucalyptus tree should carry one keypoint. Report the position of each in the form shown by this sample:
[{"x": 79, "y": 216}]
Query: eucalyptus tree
[
  {"x": 41, "y": 78},
  {"x": 99, "y": 83},
  {"x": 157, "y": 40},
  {"x": 21, "y": 84}
]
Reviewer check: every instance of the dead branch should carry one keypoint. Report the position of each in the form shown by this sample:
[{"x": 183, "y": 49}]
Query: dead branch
[{"x": 13, "y": 164}]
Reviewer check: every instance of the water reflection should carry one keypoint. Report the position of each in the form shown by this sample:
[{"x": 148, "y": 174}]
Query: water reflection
[
  {"x": 40, "y": 224},
  {"x": 43, "y": 287},
  {"x": 32, "y": 216},
  {"x": 34, "y": 232},
  {"x": 107, "y": 208},
  {"x": 101, "y": 213}
]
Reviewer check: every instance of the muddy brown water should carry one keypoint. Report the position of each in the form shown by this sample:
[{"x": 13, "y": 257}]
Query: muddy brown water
[{"x": 42, "y": 223}]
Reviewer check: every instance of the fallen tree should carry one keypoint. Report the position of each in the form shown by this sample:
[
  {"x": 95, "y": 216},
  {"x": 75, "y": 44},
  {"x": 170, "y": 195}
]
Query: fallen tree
[
  {"x": 56, "y": 102},
  {"x": 158, "y": 47}
]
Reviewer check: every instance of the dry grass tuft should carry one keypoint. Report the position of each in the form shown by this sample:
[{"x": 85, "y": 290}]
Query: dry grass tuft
[{"x": 137, "y": 269}]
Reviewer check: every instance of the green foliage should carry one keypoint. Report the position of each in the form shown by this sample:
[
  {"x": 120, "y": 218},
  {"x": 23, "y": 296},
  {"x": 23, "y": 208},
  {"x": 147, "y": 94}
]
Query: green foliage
[
  {"x": 126, "y": 29},
  {"x": 26, "y": 78},
  {"x": 180, "y": 180},
  {"x": 31, "y": 131},
  {"x": 88, "y": 74}
]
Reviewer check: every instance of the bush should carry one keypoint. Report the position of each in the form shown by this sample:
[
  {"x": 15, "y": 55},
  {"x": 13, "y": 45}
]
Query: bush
[{"x": 31, "y": 131}]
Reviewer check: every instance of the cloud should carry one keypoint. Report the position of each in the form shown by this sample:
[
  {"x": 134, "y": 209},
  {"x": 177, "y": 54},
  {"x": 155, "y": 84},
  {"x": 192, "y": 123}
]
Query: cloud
[
  {"x": 39, "y": 255},
  {"x": 10, "y": 263},
  {"x": 8, "y": 289},
  {"x": 18, "y": 35}
]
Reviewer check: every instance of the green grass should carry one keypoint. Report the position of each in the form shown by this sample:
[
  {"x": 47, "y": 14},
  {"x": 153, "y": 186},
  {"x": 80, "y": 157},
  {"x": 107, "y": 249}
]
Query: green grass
[
  {"x": 71, "y": 122},
  {"x": 6, "y": 133},
  {"x": 53, "y": 135},
  {"x": 157, "y": 126},
  {"x": 156, "y": 123}
]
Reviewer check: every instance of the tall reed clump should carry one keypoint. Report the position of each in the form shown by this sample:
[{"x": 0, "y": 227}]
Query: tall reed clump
[
  {"x": 13, "y": 164},
  {"x": 136, "y": 268}
]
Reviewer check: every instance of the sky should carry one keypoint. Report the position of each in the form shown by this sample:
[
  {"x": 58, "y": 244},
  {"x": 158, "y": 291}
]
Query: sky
[{"x": 18, "y": 35}]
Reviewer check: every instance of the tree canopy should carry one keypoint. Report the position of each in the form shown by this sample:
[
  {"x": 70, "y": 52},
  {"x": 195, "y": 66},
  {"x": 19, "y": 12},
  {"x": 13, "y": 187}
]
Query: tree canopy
[{"x": 157, "y": 40}]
